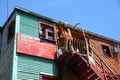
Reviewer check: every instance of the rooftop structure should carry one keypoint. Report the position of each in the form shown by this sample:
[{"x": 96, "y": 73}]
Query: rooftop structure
[{"x": 35, "y": 47}]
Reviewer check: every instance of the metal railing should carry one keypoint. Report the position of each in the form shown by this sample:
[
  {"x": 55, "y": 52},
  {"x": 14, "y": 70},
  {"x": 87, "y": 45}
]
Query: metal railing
[
  {"x": 103, "y": 64},
  {"x": 81, "y": 46},
  {"x": 77, "y": 44}
]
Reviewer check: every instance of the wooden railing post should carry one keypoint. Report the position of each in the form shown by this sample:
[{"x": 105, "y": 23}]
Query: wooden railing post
[
  {"x": 70, "y": 40},
  {"x": 103, "y": 70},
  {"x": 87, "y": 47},
  {"x": 87, "y": 50}
]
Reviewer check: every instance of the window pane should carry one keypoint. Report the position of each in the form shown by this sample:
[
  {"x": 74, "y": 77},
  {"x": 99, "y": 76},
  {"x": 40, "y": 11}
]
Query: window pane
[
  {"x": 106, "y": 51},
  {"x": 50, "y": 37},
  {"x": 50, "y": 29},
  {"x": 47, "y": 32}
]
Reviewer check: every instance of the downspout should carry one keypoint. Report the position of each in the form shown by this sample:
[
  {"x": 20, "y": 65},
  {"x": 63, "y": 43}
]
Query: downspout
[{"x": 85, "y": 42}]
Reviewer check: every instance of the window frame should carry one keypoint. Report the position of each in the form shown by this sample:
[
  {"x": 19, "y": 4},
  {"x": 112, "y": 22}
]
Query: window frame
[
  {"x": 46, "y": 35},
  {"x": 47, "y": 77},
  {"x": 110, "y": 53}
]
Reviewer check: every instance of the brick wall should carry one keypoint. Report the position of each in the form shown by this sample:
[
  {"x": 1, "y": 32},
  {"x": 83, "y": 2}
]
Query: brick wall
[{"x": 113, "y": 61}]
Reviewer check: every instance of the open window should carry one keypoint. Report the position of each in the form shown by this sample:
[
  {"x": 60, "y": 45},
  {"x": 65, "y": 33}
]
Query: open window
[
  {"x": 47, "y": 77},
  {"x": 47, "y": 31},
  {"x": 11, "y": 30},
  {"x": 106, "y": 51}
]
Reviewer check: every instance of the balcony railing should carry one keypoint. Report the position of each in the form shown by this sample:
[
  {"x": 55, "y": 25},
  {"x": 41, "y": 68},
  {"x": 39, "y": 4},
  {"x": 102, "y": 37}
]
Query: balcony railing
[
  {"x": 80, "y": 45},
  {"x": 76, "y": 44}
]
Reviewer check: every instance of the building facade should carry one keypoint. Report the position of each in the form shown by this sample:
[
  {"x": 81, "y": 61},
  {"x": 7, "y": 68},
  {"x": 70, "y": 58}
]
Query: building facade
[{"x": 35, "y": 47}]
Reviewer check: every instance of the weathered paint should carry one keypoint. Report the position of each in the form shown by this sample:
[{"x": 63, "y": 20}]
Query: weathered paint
[
  {"x": 112, "y": 61},
  {"x": 7, "y": 50},
  {"x": 15, "y": 57},
  {"x": 29, "y": 24},
  {"x": 33, "y": 46},
  {"x": 15, "y": 66},
  {"x": 30, "y": 67}
]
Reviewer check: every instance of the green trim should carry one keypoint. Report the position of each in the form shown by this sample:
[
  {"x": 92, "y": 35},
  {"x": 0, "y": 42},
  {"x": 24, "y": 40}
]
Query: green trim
[
  {"x": 17, "y": 23},
  {"x": 15, "y": 57}
]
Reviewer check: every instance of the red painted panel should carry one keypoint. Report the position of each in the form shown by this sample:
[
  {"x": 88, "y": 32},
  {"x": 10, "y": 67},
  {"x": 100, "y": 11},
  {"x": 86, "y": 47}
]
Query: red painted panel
[{"x": 32, "y": 46}]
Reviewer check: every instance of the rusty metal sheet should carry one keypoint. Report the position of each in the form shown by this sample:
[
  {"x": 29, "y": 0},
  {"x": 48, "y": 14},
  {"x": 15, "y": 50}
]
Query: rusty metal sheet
[{"x": 32, "y": 46}]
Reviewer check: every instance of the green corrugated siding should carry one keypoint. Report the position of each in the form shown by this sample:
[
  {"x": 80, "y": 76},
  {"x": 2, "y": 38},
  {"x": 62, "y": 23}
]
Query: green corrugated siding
[
  {"x": 28, "y": 25},
  {"x": 27, "y": 76},
  {"x": 30, "y": 67},
  {"x": 25, "y": 29}
]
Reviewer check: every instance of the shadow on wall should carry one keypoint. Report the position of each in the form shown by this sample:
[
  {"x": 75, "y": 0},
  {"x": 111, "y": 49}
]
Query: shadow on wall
[{"x": 69, "y": 74}]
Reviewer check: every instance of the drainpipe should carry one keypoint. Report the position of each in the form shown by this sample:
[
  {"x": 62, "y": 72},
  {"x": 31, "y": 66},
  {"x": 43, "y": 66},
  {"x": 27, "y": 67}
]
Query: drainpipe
[{"x": 85, "y": 41}]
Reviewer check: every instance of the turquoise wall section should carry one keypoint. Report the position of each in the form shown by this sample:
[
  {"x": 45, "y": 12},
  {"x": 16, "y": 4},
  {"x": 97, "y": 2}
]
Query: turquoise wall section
[
  {"x": 14, "y": 66},
  {"x": 30, "y": 67},
  {"x": 29, "y": 24}
]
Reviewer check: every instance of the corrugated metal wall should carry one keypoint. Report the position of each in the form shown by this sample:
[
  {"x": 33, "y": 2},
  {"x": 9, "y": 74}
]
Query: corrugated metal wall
[
  {"x": 30, "y": 67},
  {"x": 29, "y": 24},
  {"x": 6, "y": 63},
  {"x": 6, "y": 58}
]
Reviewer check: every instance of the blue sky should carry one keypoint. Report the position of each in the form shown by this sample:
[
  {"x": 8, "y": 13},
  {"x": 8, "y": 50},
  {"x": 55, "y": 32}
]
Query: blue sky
[{"x": 98, "y": 16}]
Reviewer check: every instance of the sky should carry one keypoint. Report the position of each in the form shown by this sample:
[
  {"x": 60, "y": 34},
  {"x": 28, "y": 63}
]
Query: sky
[{"x": 98, "y": 16}]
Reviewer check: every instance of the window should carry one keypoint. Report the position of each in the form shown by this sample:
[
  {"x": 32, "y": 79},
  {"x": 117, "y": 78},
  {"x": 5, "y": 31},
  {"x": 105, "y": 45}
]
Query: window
[
  {"x": 11, "y": 31},
  {"x": 47, "y": 31},
  {"x": 47, "y": 77},
  {"x": 106, "y": 51},
  {"x": 116, "y": 49}
]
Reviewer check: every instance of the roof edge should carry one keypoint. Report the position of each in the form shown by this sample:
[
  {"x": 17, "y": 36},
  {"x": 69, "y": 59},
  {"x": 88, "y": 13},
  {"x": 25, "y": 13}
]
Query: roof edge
[
  {"x": 95, "y": 34},
  {"x": 59, "y": 22}
]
